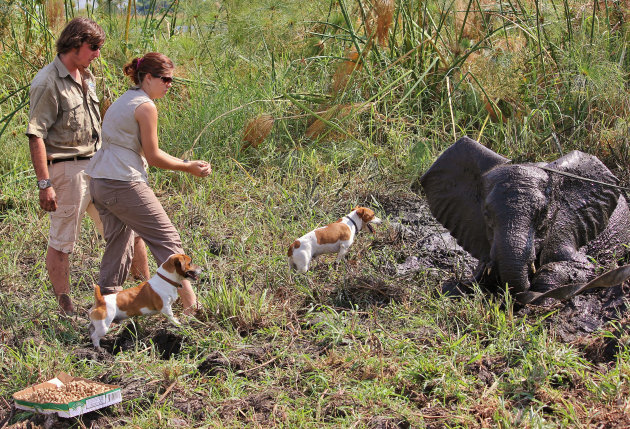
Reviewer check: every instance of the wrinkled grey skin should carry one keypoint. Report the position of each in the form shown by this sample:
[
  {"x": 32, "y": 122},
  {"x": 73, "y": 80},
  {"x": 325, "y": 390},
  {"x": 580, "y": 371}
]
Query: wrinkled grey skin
[{"x": 528, "y": 227}]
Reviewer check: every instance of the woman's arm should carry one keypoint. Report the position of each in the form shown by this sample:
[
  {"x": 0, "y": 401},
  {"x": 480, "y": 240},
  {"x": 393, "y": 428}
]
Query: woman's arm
[{"x": 146, "y": 115}]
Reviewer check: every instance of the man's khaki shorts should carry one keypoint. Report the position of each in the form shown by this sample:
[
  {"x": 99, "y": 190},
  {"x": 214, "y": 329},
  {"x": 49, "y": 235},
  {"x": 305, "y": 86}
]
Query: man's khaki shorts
[{"x": 71, "y": 185}]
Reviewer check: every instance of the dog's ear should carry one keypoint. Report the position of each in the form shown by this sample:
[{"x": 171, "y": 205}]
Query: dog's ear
[
  {"x": 169, "y": 264},
  {"x": 365, "y": 214},
  {"x": 182, "y": 262},
  {"x": 175, "y": 263}
]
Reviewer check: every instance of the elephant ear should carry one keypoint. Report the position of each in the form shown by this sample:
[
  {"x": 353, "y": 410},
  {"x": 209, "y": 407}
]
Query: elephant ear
[
  {"x": 454, "y": 189},
  {"x": 579, "y": 210}
]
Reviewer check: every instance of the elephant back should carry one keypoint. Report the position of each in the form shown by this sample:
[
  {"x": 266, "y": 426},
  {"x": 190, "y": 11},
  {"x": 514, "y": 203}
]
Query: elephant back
[{"x": 454, "y": 190}]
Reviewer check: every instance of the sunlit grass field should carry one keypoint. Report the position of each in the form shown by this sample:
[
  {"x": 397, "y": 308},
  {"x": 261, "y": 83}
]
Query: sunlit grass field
[{"x": 305, "y": 110}]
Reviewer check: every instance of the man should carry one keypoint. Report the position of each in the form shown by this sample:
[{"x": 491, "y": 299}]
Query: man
[{"x": 64, "y": 132}]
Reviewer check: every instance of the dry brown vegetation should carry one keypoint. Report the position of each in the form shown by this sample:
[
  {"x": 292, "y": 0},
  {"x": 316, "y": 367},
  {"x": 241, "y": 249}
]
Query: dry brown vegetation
[
  {"x": 345, "y": 70},
  {"x": 340, "y": 115},
  {"x": 380, "y": 20},
  {"x": 55, "y": 13},
  {"x": 257, "y": 130}
]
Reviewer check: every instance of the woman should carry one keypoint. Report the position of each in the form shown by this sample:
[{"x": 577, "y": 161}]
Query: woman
[{"x": 119, "y": 184}]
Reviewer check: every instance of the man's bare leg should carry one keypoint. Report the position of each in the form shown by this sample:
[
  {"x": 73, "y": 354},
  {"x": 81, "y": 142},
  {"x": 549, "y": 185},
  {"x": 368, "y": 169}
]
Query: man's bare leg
[
  {"x": 58, "y": 266},
  {"x": 188, "y": 297},
  {"x": 140, "y": 262}
]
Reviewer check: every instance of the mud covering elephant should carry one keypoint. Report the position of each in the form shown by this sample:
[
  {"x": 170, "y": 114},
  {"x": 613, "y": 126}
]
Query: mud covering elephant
[{"x": 531, "y": 226}]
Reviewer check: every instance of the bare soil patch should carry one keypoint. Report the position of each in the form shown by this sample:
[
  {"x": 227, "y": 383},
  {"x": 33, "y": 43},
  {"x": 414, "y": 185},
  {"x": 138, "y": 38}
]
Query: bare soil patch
[{"x": 239, "y": 361}]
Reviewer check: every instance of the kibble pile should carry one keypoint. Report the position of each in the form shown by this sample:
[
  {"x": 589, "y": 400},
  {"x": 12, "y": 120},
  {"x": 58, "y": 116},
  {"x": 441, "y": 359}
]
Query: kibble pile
[{"x": 69, "y": 392}]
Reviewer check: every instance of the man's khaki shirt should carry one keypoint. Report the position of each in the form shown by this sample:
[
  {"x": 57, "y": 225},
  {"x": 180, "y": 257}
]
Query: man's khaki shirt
[{"x": 65, "y": 115}]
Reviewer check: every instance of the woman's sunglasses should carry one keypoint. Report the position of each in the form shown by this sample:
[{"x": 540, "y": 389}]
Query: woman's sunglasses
[{"x": 165, "y": 79}]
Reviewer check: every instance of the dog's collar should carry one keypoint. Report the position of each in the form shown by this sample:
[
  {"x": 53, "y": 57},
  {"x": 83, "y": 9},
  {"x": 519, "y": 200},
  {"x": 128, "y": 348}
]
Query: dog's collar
[
  {"x": 167, "y": 280},
  {"x": 355, "y": 225}
]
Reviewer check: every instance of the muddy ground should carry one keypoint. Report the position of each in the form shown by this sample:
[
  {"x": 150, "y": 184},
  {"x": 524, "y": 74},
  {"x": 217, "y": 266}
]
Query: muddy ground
[
  {"x": 421, "y": 245},
  {"x": 432, "y": 248}
]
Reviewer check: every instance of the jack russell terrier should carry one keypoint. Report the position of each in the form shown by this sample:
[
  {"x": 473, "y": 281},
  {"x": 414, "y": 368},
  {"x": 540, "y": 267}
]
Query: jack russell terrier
[
  {"x": 156, "y": 295},
  {"x": 336, "y": 237}
]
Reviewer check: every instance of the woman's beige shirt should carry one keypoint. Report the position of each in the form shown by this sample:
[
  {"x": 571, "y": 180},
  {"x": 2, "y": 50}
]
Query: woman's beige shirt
[{"x": 121, "y": 156}]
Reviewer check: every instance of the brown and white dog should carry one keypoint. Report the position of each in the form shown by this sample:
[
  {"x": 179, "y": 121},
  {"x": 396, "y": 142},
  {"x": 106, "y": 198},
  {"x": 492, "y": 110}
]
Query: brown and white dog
[
  {"x": 156, "y": 295},
  {"x": 336, "y": 237}
]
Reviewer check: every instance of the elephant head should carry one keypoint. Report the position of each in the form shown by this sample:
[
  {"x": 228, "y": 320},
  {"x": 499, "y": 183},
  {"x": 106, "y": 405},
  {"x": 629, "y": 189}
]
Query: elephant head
[{"x": 517, "y": 218}]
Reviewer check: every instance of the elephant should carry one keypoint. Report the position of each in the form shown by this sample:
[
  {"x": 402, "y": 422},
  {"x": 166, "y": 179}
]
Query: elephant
[{"x": 535, "y": 227}]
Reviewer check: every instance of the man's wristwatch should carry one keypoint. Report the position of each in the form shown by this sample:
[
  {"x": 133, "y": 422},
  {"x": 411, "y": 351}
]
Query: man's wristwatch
[{"x": 44, "y": 183}]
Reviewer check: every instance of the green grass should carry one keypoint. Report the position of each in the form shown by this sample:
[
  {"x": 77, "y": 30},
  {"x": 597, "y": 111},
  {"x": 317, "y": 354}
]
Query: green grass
[{"x": 346, "y": 346}]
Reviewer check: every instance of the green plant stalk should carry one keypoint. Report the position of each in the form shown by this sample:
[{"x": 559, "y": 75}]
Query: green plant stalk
[
  {"x": 14, "y": 92},
  {"x": 127, "y": 21},
  {"x": 418, "y": 82},
  {"x": 461, "y": 32},
  {"x": 346, "y": 16},
  {"x": 595, "y": 3},
  {"x": 539, "y": 40},
  {"x": 7, "y": 118}
]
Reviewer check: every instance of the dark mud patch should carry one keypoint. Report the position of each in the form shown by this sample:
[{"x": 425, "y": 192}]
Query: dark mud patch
[
  {"x": 259, "y": 407},
  {"x": 193, "y": 406},
  {"x": 134, "y": 388},
  {"x": 90, "y": 353},
  {"x": 424, "y": 244},
  {"x": 409, "y": 390},
  {"x": 242, "y": 361},
  {"x": 365, "y": 292},
  {"x": 603, "y": 347},
  {"x": 381, "y": 422},
  {"x": 167, "y": 343},
  {"x": 487, "y": 370},
  {"x": 582, "y": 315},
  {"x": 125, "y": 340}
]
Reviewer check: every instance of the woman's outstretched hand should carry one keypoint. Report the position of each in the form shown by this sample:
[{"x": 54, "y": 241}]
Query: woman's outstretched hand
[{"x": 199, "y": 168}]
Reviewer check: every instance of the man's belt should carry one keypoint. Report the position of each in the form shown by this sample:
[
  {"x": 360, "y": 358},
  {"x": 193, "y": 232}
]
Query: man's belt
[{"x": 72, "y": 158}]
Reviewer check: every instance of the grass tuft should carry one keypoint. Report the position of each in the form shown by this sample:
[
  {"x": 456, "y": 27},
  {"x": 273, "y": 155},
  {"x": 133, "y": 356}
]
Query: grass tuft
[{"x": 257, "y": 130}]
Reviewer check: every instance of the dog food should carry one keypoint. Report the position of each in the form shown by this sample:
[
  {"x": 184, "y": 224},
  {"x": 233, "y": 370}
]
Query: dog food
[
  {"x": 67, "y": 396},
  {"x": 73, "y": 391}
]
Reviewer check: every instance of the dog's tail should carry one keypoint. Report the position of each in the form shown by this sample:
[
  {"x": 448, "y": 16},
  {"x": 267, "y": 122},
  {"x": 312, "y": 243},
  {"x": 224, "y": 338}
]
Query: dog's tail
[
  {"x": 99, "y": 309},
  {"x": 98, "y": 298}
]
